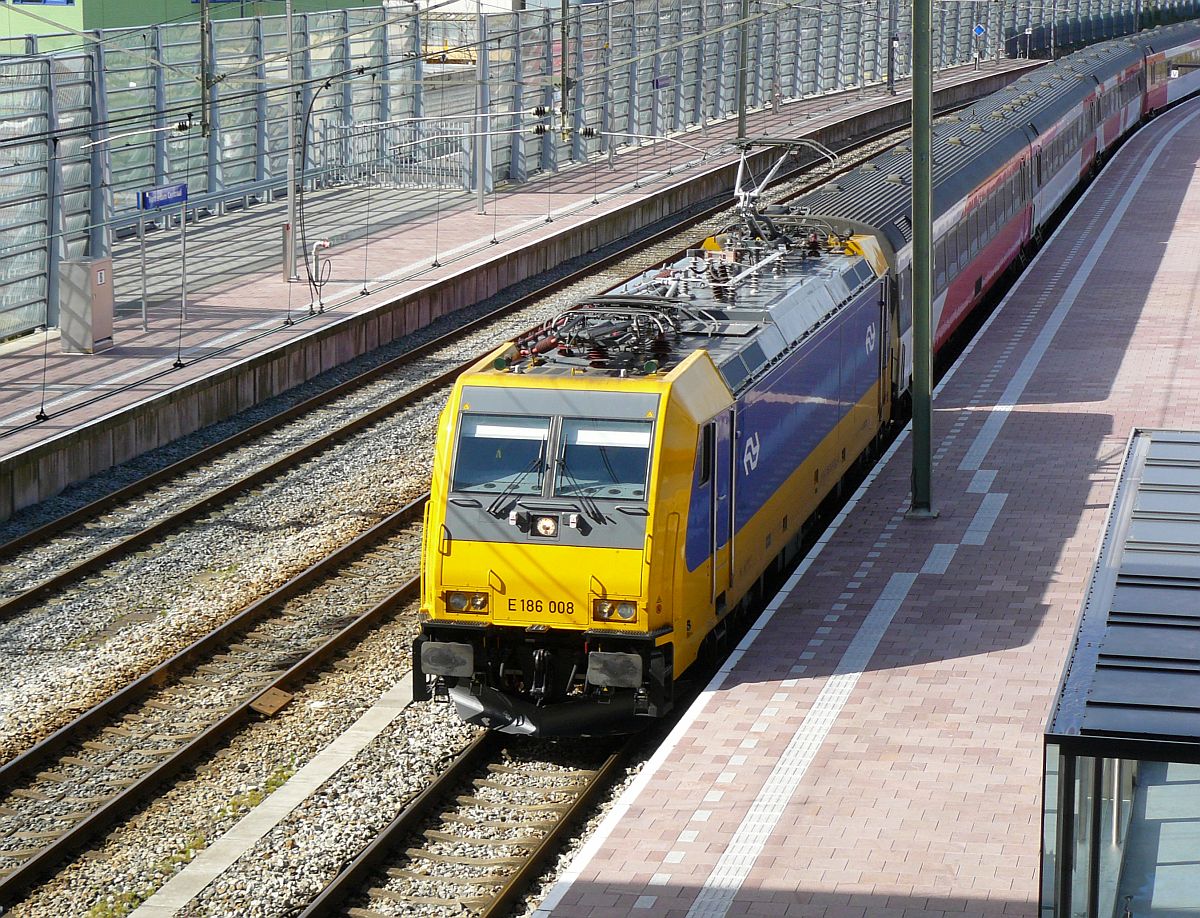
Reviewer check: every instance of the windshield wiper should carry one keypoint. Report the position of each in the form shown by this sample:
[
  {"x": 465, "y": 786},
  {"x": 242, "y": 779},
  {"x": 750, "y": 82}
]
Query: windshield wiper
[
  {"x": 498, "y": 506},
  {"x": 612, "y": 473},
  {"x": 590, "y": 507}
]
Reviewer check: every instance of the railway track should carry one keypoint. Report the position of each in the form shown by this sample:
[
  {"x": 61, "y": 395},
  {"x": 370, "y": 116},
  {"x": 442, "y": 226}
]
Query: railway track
[
  {"x": 96, "y": 770},
  {"x": 473, "y": 840}
]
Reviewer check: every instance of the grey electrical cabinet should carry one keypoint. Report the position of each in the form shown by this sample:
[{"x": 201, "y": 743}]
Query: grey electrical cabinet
[{"x": 85, "y": 305}]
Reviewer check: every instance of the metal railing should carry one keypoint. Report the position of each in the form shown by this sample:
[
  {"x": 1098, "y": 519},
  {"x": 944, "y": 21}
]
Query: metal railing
[{"x": 423, "y": 154}]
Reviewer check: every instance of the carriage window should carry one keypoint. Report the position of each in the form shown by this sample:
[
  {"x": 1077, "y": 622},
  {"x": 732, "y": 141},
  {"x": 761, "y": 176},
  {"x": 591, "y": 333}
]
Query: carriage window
[
  {"x": 501, "y": 453},
  {"x": 603, "y": 458}
]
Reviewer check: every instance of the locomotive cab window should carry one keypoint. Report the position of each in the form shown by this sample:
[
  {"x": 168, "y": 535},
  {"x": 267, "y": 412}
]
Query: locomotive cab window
[
  {"x": 600, "y": 458},
  {"x": 501, "y": 453},
  {"x": 707, "y": 438}
]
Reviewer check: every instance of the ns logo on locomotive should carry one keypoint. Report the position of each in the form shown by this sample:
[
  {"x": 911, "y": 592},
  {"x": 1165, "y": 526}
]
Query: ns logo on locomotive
[{"x": 609, "y": 490}]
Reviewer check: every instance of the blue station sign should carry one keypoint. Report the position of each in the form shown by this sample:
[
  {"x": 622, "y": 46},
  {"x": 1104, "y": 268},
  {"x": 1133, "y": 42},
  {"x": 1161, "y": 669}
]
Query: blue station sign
[{"x": 163, "y": 196}]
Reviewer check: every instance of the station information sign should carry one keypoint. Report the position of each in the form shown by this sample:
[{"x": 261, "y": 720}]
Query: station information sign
[{"x": 163, "y": 196}]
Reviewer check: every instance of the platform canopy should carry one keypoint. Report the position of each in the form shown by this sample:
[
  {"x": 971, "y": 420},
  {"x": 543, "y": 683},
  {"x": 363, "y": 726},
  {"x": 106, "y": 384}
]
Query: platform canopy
[{"x": 1132, "y": 683}]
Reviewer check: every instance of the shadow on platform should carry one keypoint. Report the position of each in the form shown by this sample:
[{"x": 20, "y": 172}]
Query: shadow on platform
[{"x": 780, "y": 898}]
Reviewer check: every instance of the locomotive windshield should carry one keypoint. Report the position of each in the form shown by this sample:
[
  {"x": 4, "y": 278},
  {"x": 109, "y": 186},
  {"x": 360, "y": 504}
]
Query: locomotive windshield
[
  {"x": 505, "y": 454},
  {"x": 502, "y": 454},
  {"x": 603, "y": 458}
]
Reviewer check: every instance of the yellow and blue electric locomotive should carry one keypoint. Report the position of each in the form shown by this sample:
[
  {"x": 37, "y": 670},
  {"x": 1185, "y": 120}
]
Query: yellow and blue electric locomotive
[{"x": 609, "y": 489}]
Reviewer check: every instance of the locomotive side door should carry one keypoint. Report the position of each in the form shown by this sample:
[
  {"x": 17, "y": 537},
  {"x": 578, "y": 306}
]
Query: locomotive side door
[
  {"x": 886, "y": 356},
  {"x": 722, "y": 509}
]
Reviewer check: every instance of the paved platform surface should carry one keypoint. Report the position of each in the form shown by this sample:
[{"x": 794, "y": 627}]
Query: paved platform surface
[
  {"x": 238, "y": 300},
  {"x": 874, "y": 747}
]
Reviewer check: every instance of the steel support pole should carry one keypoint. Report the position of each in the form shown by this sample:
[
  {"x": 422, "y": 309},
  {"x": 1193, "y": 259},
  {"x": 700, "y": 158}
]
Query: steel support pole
[
  {"x": 893, "y": 43},
  {"x": 481, "y": 126},
  {"x": 743, "y": 54},
  {"x": 922, "y": 273},
  {"x": 142, "y": 247},
  {"x": 183, "y": 258},
  {"x": 478, "y": 139},
  {"x": 564, "y": 38},
  {"x": 289, "y": 250},
  {"x": 999, "y": 41},
  {"x": 205, "y": 67}
]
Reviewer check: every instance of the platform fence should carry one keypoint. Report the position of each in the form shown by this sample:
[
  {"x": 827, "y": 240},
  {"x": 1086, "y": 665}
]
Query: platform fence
[
  {"x": 425, "y": 154},
  {"x": 83, "y": 131}
]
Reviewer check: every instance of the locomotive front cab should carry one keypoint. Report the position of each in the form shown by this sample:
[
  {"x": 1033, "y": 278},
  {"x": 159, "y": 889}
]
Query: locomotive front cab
[{"x": 537, "y": 605}]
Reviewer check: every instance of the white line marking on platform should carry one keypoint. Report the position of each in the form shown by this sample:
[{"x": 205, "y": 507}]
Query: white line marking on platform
[
  {"x": 939, "y": 558},
  {"x": 985, "y": 518},
  {"x": 718, "y": 891},
  {"x": 221, "y": 854},
  {"x": 982, "y": 482}
]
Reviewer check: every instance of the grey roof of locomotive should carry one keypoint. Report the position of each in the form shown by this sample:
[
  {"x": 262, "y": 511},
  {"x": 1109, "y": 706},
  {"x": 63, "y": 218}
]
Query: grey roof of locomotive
[
  {"x": 785, "y": 296},
  {"x": 765, "y": 317}
]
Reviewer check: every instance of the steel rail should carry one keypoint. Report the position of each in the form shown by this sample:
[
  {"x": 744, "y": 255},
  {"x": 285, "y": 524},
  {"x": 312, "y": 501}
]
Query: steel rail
[
  {"x": 355, "y": 875},
  {"x": 36, "y": 756},
  {"x": 535, "y": 863},
  {"x": 43, "y": 864}
]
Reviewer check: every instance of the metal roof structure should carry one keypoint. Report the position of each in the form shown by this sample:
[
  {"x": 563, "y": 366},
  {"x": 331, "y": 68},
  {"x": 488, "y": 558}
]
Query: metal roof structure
[{"x": 1133, "y": 678}]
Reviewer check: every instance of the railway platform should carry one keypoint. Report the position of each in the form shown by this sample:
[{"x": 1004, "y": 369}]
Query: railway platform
[
  {"x": 874, "y": 745},
  {"x": 248, "y": 335}
]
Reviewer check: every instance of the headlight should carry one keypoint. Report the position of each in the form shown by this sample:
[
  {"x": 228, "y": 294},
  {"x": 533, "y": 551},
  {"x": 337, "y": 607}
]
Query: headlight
[
  {"x": 610, "y": 610},
  {"x": 546, "y": 526},
  {"x": 461, "y": 601}
]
